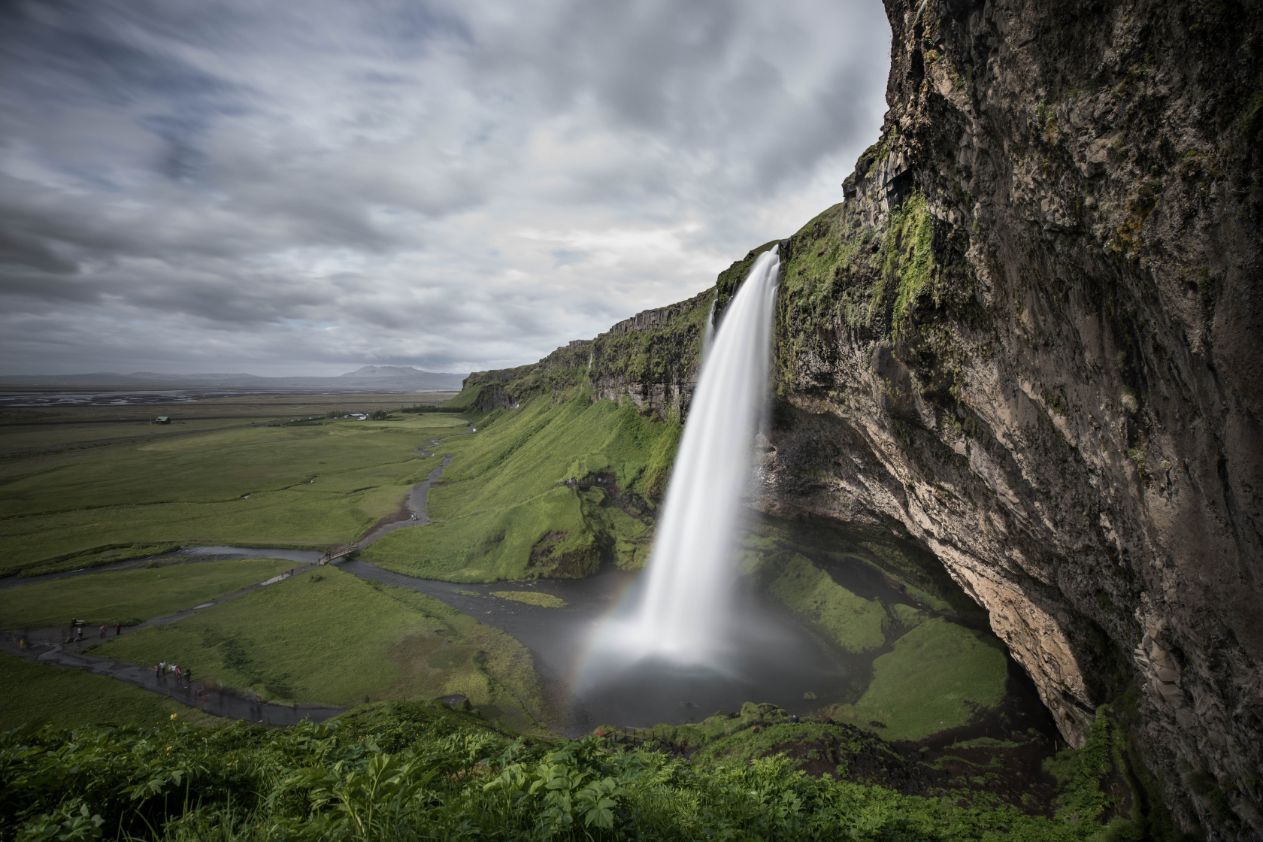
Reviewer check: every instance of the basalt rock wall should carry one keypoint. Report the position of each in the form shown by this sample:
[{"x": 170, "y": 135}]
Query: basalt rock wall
[{"x": 1031, "y": 337}]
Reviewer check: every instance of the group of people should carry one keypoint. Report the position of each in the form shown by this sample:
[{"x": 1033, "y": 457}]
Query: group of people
[
  {"x": 76, "y": 631},
  {"x": 162, "y": 670}
]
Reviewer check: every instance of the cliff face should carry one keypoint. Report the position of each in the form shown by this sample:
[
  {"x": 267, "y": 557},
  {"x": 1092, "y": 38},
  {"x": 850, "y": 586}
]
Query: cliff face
[
  {"x": 1031, "y": 337},
  {"x": 649, "y": 359}
]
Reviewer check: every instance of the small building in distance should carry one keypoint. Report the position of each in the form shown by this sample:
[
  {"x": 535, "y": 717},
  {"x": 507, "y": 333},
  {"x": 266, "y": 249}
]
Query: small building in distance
[{"x": 162, "y": 419}]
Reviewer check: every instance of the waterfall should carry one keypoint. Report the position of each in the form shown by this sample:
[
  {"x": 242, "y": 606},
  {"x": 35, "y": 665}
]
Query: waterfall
[
  {"x": 684, "y": 613},
  {"x": 708, "y": 332}
]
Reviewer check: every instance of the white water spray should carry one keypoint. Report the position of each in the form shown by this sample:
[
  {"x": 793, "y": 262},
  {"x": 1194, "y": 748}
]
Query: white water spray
[{"x": 685, "y": 612}]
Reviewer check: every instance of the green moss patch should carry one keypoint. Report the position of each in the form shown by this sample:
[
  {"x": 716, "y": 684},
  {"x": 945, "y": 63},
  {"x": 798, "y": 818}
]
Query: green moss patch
[
  {"x": 853, "y": 623},
  {"x": 536, "y": 598},
  {"x": 937, "y": 676}
]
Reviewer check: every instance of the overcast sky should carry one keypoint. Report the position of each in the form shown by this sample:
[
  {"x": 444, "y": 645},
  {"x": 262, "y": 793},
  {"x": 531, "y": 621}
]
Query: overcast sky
[{"x": 285, "y": 188}]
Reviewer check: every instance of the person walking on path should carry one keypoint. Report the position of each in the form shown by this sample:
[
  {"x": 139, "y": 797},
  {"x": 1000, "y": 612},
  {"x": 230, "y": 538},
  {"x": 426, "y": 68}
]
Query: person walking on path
[
  {"x": 188, "y": 678},
  {"x": 157, "y": 673},
  {"x": 102, "y": 632},
  {"x": 162, "y": 668},
  {"x": 118, "y": 629}
]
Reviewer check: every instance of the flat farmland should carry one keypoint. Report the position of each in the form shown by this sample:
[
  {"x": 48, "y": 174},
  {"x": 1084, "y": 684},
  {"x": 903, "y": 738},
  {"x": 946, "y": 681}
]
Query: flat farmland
[{"x": 84, "y": 485}]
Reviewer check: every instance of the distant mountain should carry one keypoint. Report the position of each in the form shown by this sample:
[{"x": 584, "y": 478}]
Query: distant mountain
[
  {"x": 390, "y": 371},
  {"x": 390, "y": 378}
]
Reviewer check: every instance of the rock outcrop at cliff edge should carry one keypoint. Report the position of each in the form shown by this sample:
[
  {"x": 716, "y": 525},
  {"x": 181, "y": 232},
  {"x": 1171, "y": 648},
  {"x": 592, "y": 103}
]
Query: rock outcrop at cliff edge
[{"x": 1032, "y": 337}]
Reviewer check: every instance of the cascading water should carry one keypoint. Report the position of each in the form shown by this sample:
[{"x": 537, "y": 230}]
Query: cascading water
[
  {"x": 685, "y": 608},
  {"x": 708, "y": 332}
]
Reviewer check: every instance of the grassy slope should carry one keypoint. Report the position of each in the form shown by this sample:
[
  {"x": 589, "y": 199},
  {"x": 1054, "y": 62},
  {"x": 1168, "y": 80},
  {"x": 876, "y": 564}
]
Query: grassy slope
[
  {"x": 505, "y": 492},
  {"x": 127, "y": 596},
  {"x": 330, "y": 637},
  {"x": 191, "y": 489},
  {"x": 44, "y": 694}
]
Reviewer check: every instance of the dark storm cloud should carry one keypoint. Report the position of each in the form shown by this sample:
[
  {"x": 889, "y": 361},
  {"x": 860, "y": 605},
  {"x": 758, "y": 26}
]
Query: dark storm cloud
[{"x": 227, "y": 184}]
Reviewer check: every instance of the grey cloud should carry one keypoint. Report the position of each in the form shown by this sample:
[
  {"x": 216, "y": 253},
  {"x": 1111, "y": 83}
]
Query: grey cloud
[{"x": 229, "y": 184}]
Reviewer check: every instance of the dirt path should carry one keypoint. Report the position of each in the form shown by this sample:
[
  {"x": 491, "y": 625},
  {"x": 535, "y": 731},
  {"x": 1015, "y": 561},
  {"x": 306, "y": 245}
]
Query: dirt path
[
  {"x": 217, "y": 701},
  {"x": 414, "y": 511},
  {"x": 180, "y": 555}
]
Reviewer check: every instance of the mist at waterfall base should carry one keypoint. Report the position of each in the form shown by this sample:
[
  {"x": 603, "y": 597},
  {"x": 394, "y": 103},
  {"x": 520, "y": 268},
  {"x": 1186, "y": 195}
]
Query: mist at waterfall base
[{"x": 690, "y": 633}]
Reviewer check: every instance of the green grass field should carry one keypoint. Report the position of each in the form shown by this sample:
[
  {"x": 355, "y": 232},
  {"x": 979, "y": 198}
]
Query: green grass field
[
  {"x": 45, "y": 694},
  {"x": 308, "y": 486},
  {"x": 510, "y": 506},
  {"x": 937, "y": 676},
  {"x": 329, "y": 637},
  {"x": 129, "y": 596}
]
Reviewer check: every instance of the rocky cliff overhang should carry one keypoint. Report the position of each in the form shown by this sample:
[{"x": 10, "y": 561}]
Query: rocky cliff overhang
[
  {"x": 1030, "y": 337},
  {"x": 1034, "y": 344}
]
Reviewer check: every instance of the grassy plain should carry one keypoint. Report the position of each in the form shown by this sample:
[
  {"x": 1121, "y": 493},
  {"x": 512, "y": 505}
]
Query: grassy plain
[
  {"x": 330, "y": 637},
  {"x": 129, "y": 596},
  {"x": 522, "y": 496},
  {"x": 46, "y": 694},
  {"x": 291, "y": 485}
]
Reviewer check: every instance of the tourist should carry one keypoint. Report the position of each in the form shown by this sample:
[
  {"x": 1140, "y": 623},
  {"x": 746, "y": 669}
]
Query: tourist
[
  {"x": 118, "y": 629},
  {"x": 101, "y": 633},
  {"x": 188, "y": 678},
  {"x": 157, "y": 673},
  {"x": 162, "y": 668}
]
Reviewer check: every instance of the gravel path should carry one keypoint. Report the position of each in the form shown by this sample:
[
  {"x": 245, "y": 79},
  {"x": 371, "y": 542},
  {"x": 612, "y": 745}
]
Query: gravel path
[{"x": 217, "y": 701}]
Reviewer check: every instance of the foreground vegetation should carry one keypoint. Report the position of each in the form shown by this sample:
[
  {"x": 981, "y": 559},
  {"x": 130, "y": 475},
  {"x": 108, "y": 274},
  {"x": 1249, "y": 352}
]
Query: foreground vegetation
[{"x": 418, "y": 771}]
